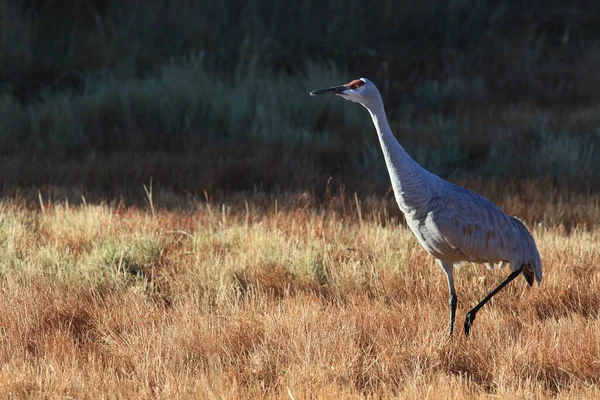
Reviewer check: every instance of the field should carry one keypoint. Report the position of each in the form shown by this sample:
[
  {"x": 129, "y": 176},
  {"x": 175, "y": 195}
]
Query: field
[
  {"x": 280, "y": 298},
  {"x": 180, "y": 219}
]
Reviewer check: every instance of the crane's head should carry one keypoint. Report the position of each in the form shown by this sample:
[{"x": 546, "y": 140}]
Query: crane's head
[{"x": 361, "y": 90}]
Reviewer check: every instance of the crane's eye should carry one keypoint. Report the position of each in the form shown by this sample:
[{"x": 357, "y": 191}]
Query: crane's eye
[{"x": 355, "y": 84}]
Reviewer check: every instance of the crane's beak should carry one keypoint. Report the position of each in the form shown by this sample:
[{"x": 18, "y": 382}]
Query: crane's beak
[{"x": 331, "y": 90}]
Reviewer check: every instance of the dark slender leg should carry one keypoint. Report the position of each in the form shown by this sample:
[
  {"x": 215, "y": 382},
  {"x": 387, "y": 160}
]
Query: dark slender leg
[
  {"x": 471, "y": 314},
  {"x": 453, "y": 302}
]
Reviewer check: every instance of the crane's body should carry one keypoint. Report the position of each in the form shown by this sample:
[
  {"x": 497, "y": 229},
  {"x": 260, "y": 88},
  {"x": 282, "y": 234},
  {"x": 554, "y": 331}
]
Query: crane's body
[{"x": 452, "y": 223}]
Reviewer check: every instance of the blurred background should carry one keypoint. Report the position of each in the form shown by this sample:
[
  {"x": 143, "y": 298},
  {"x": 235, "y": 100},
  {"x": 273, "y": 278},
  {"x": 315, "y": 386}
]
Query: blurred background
[{"x": 210, "y": 98}]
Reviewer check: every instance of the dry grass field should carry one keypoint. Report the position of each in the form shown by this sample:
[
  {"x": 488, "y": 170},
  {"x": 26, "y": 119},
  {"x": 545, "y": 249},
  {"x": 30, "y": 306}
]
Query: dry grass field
[
  {"x": 261, "y": 298},
  {"x": 267, "y": 258}
]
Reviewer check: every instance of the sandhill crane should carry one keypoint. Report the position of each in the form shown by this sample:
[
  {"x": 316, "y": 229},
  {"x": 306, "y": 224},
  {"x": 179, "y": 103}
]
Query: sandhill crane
[{"x": 452, "y": 223}]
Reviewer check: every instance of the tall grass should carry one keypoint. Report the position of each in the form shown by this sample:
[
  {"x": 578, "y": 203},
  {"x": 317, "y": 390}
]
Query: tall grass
[
  {"x": 184, "y": 105},
  {"x": 214, "y": 302},
  {"x": 260, "y": 130}
]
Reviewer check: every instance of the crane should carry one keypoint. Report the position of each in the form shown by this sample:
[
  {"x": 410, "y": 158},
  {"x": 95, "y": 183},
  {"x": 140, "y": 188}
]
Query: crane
[{"x": 452, "y": 223}]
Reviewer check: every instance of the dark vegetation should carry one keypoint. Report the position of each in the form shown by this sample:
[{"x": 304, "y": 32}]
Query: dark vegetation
[{"x": 97, "y": 97}]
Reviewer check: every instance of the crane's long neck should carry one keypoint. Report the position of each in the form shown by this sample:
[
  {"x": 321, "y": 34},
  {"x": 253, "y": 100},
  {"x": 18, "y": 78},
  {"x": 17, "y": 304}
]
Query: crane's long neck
[{"x": 409, "y": 180}]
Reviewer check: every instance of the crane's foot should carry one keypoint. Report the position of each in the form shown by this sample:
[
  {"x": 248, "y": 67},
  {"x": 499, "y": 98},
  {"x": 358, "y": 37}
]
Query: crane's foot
[{"x": 469, "y": 323}]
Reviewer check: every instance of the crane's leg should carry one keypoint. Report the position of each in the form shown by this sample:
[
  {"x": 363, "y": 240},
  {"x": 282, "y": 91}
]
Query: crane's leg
[
  {"x": 448, "y": 269},
  {"x": 471, "y": 314}
]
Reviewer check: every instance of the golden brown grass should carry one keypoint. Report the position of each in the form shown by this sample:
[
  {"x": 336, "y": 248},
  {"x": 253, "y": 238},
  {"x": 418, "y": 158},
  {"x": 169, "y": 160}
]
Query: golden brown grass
[{"x": 280, "y": 302}]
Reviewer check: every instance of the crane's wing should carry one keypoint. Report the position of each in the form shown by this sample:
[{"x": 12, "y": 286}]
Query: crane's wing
[
  {"x": 474, "y": 226},
  {"x": 481, "y": 232}
]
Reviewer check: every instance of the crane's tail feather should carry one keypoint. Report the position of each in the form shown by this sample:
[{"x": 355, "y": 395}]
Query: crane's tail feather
[
  {"x": 530, "y": 257},
  {"x": 528, "y": 274}
]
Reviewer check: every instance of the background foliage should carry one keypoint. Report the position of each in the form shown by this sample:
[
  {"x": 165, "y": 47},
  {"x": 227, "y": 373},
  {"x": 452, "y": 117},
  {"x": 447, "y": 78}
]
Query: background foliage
[{"x": 101, "y": 95}]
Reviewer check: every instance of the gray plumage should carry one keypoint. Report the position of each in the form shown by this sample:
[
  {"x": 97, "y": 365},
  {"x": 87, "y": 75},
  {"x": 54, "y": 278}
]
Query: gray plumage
[{"x": 452, "y": 223}]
